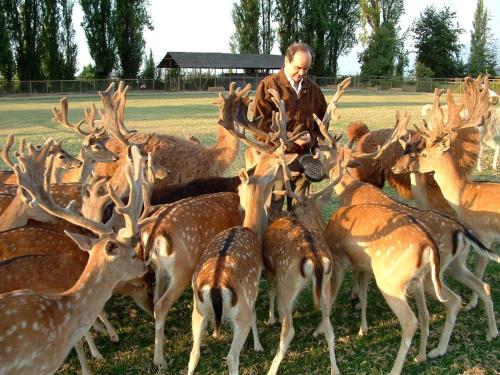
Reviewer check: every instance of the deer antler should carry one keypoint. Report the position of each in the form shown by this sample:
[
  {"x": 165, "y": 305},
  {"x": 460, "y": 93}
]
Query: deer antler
[
  {"x": 61, "y": 116},
  {"x": 400, "y": 130},
  {"x": 34, "y": 178},
  {"x": 5, "y": 151}
]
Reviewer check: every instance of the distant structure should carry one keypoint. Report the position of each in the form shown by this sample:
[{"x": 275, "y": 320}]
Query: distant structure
[{"x": 215, "y": 70}]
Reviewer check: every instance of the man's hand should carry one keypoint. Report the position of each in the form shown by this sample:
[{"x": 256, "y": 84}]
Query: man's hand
[
  {"x": 316, "y": 154},
  {"x": 303, "y": 140}
]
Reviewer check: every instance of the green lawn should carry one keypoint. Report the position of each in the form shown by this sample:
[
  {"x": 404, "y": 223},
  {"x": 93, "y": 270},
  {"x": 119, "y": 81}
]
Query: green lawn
[{"x": 374, "y": 354}]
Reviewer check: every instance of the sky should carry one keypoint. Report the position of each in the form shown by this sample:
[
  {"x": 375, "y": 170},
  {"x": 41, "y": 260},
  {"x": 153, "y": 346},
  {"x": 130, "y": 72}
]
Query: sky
[{"x": 206, "y": 26}]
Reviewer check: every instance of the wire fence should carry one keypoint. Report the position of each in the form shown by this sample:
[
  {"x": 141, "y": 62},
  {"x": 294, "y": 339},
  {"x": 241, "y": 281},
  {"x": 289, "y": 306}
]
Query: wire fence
[{"x": 197, "y": 82}]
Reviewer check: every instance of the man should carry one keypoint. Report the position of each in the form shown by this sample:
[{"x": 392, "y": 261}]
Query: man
[{"x": 302, "y": 98}]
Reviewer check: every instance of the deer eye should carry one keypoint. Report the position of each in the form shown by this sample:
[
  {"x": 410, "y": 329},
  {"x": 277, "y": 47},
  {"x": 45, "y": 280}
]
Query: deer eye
[
  {"x": 61, "y": 156},
  {"x": 96, "y": 147}
]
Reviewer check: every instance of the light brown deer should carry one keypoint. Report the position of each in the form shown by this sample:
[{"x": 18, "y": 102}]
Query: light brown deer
[
  {"x": 174, "y": 243},
  {"x": 54, "y": 323},
  {"x": 185, "y": 160},
  {"x": 93, "y": 148},
  {"x": 471, "y": 200},
  {"x": 295, "y": 252},
  {"x": 62, "y": 160},
  {"x": 226, "y": 279}
]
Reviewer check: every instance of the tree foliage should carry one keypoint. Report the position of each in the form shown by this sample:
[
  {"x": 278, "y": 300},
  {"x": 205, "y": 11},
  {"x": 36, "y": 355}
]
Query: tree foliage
[
  {"x": 289, "y": 15},
  {"x": 148, "y": 72},
  {"x": 98, "y": 26},
  {"x": 130, "y": 17},
  {"x": 436, "y": 36},
  {"x": 88, "y": 72},
  {"x": 246, "y": 38},
  {"x": 376, "y": 12},
  {"x": 315, "y": 29},
  {"x": 267, "y": 33},
  {"x": 7, "y": 65},
  {"x": 69, "y": 48},
  {"x": 379, "y": 56},
  {"x": 343, "y": 20},
  {"x": 482, "y": 56},
  {"x": 23, "y": 20},
  {"x": 50, "y": 39}
]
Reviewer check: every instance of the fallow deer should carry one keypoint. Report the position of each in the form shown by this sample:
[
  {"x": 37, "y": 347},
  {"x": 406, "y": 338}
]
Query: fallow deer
[
  {"x": 295, "y": 252},
  {"x": 174, "y": 243},
  {"x": 471, "y": 201},
  {"x": 185, "y": 160},
  {"x": 226, "y": 279},
  {"x": 489, "y": 130},
  {"x": 62, "y": 160},
  {"x": 54, "y": 323}
]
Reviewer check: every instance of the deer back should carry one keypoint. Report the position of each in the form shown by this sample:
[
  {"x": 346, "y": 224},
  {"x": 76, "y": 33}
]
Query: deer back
[{"x": 187, "y": 225}]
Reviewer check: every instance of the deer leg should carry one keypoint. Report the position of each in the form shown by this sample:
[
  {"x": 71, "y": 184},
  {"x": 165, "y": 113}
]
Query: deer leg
[
  {"x": 481, "y": 264},
  {"x": 241, "y": 327},
  {"x": 98, "y": 327},
  {"x": 81, "y": 357},
  {"x": 364, "y": 278},
  {"x": 198, "y": 325},
  {"x": 336, "y": 279},
  {"x": 178, "y": 285},
  {"x": 452, "y": 305},
  {"x": 396, "y": 299},
  {"x": 423, "y": 320},
  {"x": 271, "y": 281},
  {"x": 355, "y": 288},
  {"x": 325, "y": 307},
  {"x": 495, "y": 158},
  {"x": 286, "y": 296},
  {"x": 483, "y": 290},
  {"x": 159, "y": 284},
  {"x": 257, "y": 346},
  {"x": 479, "y": 167},
  {"x": 93, "y": 348},
  {"x": 113, "y": 336}
]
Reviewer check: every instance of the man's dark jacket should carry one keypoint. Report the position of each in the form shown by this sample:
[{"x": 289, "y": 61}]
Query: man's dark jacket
[{"x": 299, "y": 109}]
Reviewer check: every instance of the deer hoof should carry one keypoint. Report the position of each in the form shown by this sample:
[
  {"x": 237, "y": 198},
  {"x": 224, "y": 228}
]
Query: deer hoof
[
  {"x": 472, "y": 304},
  {"x": 420, "y": 358},
  {"x": 258, "y": 347},
  {"x": 271, "y": 321},
  {"x": 436, "y": 352}
]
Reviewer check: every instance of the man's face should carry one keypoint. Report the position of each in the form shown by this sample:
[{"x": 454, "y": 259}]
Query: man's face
[{"x": 298, "y": 67}]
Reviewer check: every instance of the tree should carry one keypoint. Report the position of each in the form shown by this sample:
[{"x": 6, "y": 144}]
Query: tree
[
  {"x": 7, "y": 66},
  {"x": 246, "y": 21},
  {"x": 376, "y": 12},
  {"x": 266, "y": 31},
  {"x": 88, "y": 72},
  {"x": 130, "y": 17},
  {"x": 149, "y": 66},
  {"x": 288, "y": 14},
  {"x": 436, "y": 36},
  {"x": 379, "y": 56},
  {"x": 69, "y": 48},
  {"x": 98, "y": 26},
  {"x": 50, "y": 39},
  {"x": 23, "y": 24},
  {"x": 422, "y": 71},
  {"x": 382, "y": 17},
  {"x": 343, "y": 19},
  {"x": 482, "y": 52},
  {"x": 314, "y": 32}
]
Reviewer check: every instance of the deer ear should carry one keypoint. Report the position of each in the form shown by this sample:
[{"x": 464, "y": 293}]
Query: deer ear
[
  {"x": 85, "y": 243},
  {"x": 444, "y": 145},
  {"x": 112, "y": 247}
]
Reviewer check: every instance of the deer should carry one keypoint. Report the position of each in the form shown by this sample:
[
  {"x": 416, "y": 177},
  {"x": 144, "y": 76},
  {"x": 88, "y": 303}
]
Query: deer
[
  {"x": 470, "y": 200},
  {"x": 489, "y": 130},
  {"x": 62, "y": 159},
  {"x": 226, "y": 279},
  {"x": 398, "y": 250},
  {"x": 453, "y": 237},
  {"x": 295, "y": 252},
  {"x": 93, "y": 148},
  {"x": 54, "y": 323},
  {"x": 185, "y": 159}
]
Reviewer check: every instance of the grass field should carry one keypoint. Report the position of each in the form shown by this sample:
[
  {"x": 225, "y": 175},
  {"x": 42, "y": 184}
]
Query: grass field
[{"x": 373, "y": 354}]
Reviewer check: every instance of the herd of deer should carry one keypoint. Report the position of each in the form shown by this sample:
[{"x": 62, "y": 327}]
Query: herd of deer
[{"x": 146, "y": 208}]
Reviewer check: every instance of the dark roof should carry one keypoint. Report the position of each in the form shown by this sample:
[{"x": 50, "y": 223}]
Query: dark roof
[{"x": 220, "y": 60}]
